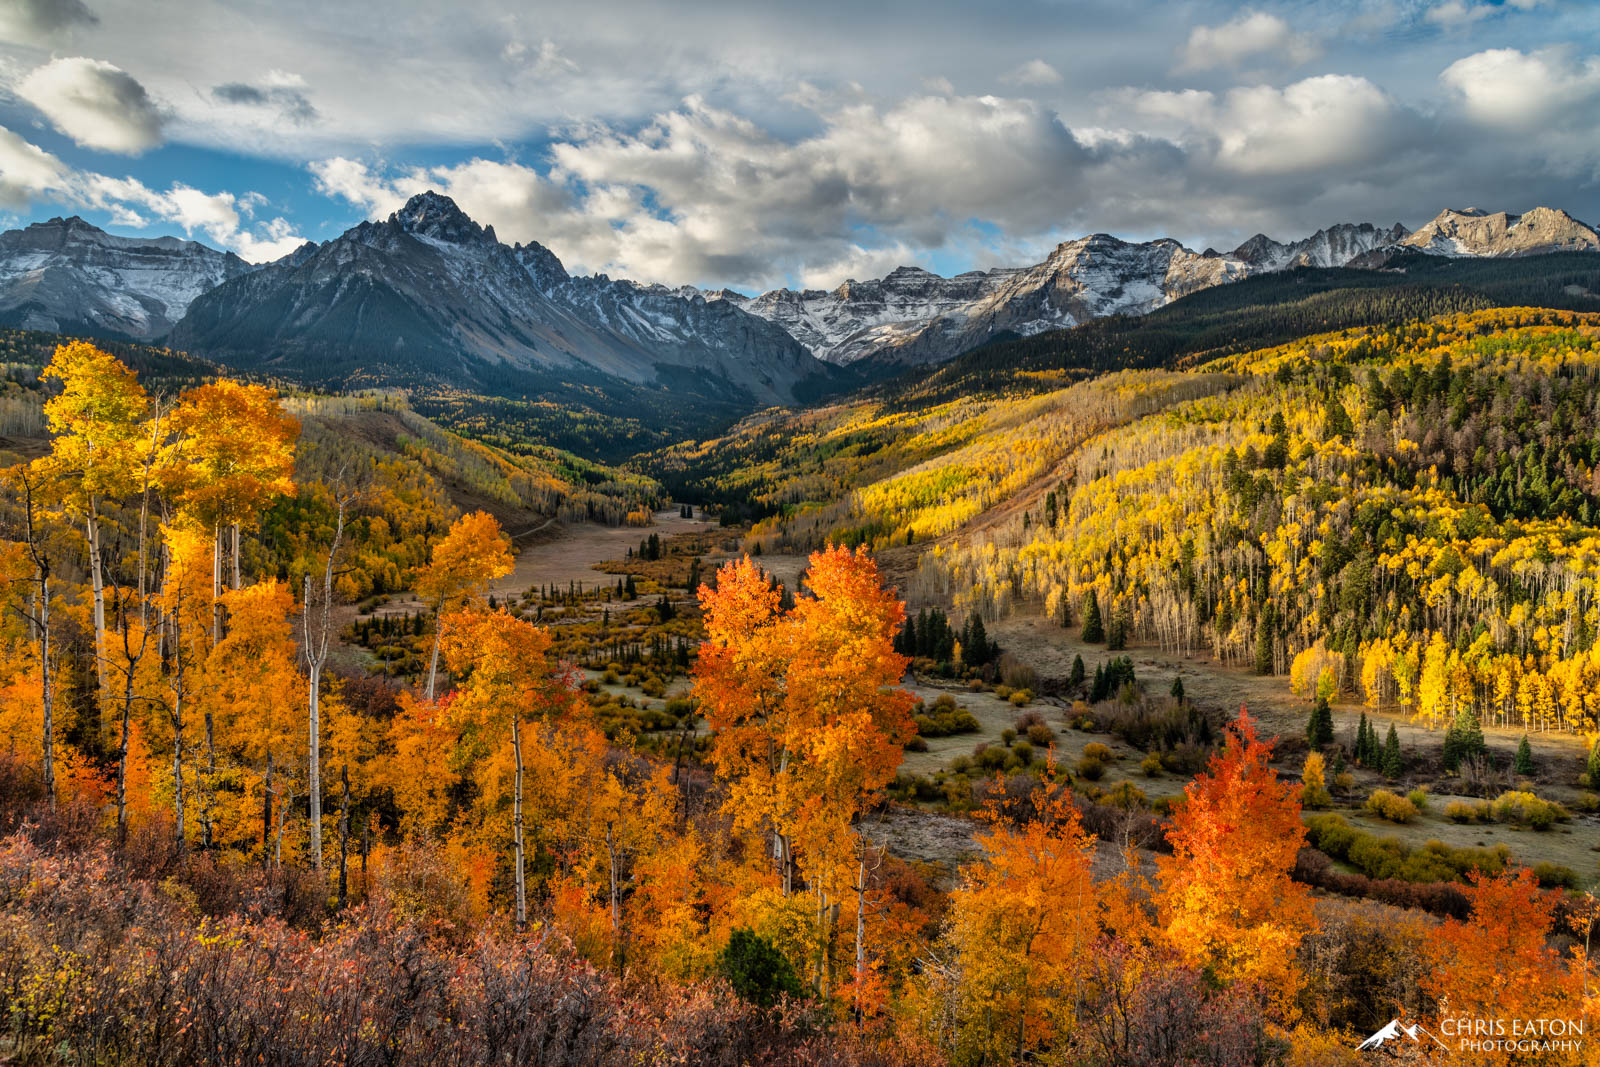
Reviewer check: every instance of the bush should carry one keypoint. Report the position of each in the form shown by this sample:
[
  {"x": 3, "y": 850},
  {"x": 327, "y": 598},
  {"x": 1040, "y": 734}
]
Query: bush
[
  {"x": 1418, "y": 798},
  {"x": 1522, "y": 808},
  {"x": 1387, "y": 805},
  {"x": 1390, "y": 858},
  {"x": 1101, "y": 752},
  {"x": 1125, "y": 795},
  {"x": 1344, "y": 781},
  {"x": 1151, "y": 765},
  {"x": 1040, "y": 735},
  {"x": 756, "y": 970},
  {"x": 1023, "y": 751},
  {"x": 1091, "y": 769},
  {"x": 945, "y": 718},
  {"x": 1007, "y": 736},
  {"x": 1021, "y": 698},
  {"x": 1465, "y": 811},
  {"x": 1555, "y": 876},
  {"x": 916, "y": 744}
]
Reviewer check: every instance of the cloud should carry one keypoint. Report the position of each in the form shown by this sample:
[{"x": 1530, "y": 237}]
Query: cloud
[
  {"x": 1330, "y": 122},
  {"x": 29, "y": 174},
  {"x": 95, "y": 103},
  {"x": 42, "y": 22},
  {"x": 702, "y": 193},
  {"x": 1035, "y": 73},
  {"x": 279, "y": 93},
  {"x": 1460, "y": 14},
  {"x": 1506, "y": 88},
  {"x": 1246, "y": 36}
]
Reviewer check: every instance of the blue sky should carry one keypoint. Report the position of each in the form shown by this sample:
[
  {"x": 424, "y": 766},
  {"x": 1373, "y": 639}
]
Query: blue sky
[{"x": 752, "y": 144}]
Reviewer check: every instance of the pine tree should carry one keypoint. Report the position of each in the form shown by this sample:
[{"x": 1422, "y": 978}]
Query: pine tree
[
  {"x": 1363, "y": 742},
  {"x": 1117, "y": 637},
  {"x": 1594, "y": 765},
  {"x": 1177, "y": 688},
  {"x": 1319, "y": 729},
  {"x": 1264, "y": 641},
  {"x": 1525, "y": 757},
  {"x": 1093, "y": 629},
  {"x": 1392, "y": 763},
  {"x": 1097, "y": 692},
  {"x": 1078, "y": 672}
]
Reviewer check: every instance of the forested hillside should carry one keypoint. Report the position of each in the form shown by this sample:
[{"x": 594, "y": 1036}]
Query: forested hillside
[{"x": 273, "y": 719}]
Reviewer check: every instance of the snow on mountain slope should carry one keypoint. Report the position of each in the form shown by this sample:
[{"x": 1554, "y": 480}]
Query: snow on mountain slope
[
  {"x": 1479, "y": 233},
  {"x": 67, "y": 275},
  {"x": 430, "y": 292}
]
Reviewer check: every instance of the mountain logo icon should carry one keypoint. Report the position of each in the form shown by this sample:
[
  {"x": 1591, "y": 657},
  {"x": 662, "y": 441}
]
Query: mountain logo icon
[{"x": 1394, "y": 1030}]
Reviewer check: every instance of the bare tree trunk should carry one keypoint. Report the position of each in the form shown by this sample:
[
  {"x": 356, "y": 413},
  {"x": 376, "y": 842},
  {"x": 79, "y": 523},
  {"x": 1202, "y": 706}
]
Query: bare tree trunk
[
  {"x": 861, "y": 930},
  {"x": 516, "y": 824},
  {"x": 344, "y": 837},
  {"x": 235, "y": 546},
  {"x": 266, "y": 810},
  {"x": 316, "y": 653},
  {"x": 433, "y": 661},
  {"x": 47, "y": 691},
  {"x": 97, "y": 590}
]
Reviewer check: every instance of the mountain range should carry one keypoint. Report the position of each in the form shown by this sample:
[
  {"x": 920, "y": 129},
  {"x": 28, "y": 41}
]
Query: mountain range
[{"x": 430, "y": 296}]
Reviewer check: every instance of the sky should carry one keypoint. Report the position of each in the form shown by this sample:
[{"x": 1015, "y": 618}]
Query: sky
[{"x": 752, "y": 145}]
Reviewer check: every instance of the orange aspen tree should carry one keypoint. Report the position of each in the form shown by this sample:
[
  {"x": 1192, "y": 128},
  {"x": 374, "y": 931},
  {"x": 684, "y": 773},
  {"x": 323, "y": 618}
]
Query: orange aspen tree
[
  {"x": 1022, "y": 924},
  {"x": 1226, "y": 900},
  {"x": 254, "y": 682},
  {"x": 37, "y": 495},
  {"x": 810, "y": 723},
  {"x": 471, "y": 555},
  {"x": 508, "y": 681},
  {"x": 1499, "y": 964},
  {"x": 96, "y": 420}
]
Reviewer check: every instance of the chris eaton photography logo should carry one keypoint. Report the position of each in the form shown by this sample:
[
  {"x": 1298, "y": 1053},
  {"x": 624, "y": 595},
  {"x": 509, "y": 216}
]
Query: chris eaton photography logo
[{"x": 1472, "y": 1034}]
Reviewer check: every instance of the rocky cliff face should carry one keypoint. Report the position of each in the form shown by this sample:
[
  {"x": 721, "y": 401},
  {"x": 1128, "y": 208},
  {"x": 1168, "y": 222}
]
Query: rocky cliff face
[
  {"x": 66, "y": 275},
  {"x": 1480, "y": 233}
]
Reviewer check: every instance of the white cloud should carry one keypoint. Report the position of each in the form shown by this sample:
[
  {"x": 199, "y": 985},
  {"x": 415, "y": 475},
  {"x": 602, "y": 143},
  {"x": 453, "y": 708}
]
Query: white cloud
[
  {"x": 1460, "y": 14},
  {"x": 42, "y": 22},
  {"x": 96, "y": 104},
  {"x": 28, "y": 173},
  {"x": 703, "y": 194},
  {"x": 1507, "y": 88},
  {"x": 1035, "y": 73},
  {"x": 1330, "y": 122},
  {"x": 1246, "y": 36}
]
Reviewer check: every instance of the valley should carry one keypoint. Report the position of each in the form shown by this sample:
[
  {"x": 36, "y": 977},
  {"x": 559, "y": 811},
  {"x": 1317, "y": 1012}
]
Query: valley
[{"x": 1319, "y": 543}]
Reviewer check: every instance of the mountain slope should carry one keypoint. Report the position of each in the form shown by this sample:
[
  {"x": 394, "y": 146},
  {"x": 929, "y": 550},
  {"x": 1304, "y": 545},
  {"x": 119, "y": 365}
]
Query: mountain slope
[
  {"x": 912, "y": 316},
  {"x": 68, "y": 276},
  {"x": 1479, "y": 233},
  {"x": 430, "y": 296}
]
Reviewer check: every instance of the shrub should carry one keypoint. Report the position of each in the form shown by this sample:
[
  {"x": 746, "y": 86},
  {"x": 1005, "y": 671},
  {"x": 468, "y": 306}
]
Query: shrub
[
  {"x": 1007, "y": 736},
  {"x": 1523, "y": 807},
  {"x": 756, "y": 970},
  {"x": 961, "y": 765},
  {"x": 1151, "y": 765},
  {"x": 1125, "y": 795},
  {"x": 1387, "y": 805},
  {"x": 1021, "y": 698},
  {"x": 1588, "y": 802},
  {"x": 1023, "y": 751},
  {"x": 1091, "y": 768},
  {"x": 1040, "y": 735},
  {"x": 1464, "y": 811},
  {"x": 916, "y": 744},
  {"x": 1017, "y": 674},
  {"x": 1101, "y": 752},
  {"x": 1344, "y": 781},
  {"x": 1418, "y": 798},
  {"x": 1555, "y": 876}
]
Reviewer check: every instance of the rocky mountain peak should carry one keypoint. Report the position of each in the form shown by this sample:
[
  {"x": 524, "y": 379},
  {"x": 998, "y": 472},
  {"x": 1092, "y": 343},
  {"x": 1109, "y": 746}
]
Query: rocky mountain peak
[
  {"x": 1474, "y": 232},
  {"x": 435, "y": 215}
]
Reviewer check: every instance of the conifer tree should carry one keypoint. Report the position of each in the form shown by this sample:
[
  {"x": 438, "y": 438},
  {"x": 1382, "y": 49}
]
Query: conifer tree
[
  {"x": 1093, "y": 629},
  {"x": 1392, "y": 763},
  {"x": 1319, "y": 730},
  {"x": 1524, "y": 757}
]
